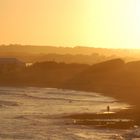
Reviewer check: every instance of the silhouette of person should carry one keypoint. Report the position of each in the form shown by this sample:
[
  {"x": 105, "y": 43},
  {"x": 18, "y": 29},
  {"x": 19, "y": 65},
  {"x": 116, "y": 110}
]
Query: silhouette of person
[{"x": 108, "y": 108}]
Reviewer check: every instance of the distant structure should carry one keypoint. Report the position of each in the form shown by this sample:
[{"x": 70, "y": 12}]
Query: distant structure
[
  {"x": 9, "y": 64},
  {"x": 8, "y": 61}
]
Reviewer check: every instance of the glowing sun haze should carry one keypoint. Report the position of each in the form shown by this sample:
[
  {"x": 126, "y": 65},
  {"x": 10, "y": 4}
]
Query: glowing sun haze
[{"x": 98, "y": 23}]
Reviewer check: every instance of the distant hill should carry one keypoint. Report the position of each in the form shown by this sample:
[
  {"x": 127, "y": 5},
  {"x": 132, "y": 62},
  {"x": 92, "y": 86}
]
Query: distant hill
[
  {"x": 115, "y": 77},
  {"x": 48, "y": 74},
  {"x": 78, "y": 54},
  {"x": 61, "y": 50},
  {"x": 97, "y": 75}
]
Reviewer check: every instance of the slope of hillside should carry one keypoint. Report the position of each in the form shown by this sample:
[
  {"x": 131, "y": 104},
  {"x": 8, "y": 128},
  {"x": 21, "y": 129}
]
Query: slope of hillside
[{"x": 114, "y": 78}]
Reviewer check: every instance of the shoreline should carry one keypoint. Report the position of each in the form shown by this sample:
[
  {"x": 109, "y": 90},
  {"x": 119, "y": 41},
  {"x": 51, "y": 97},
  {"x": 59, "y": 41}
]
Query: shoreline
[
  {"x": 102, "y": 92},
  {"x": 124, "y": 119}
]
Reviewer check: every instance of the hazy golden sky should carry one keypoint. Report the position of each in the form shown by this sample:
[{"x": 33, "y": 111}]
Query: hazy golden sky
[{"x": 98, "y": 23}]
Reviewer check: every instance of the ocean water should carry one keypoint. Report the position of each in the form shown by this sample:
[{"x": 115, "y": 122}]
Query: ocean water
[{"x": 31, "y": 113}]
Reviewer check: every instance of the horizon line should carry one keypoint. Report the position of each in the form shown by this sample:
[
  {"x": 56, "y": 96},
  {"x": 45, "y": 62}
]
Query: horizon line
[{"x": 76, "y": 46}]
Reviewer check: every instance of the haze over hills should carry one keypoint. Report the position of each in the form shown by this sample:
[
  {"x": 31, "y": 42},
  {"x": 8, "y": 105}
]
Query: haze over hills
[
  {"x": 82, "y": 68},
  {"x": 79, "y": 54},
  {"x": 61, "y": 50}
]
